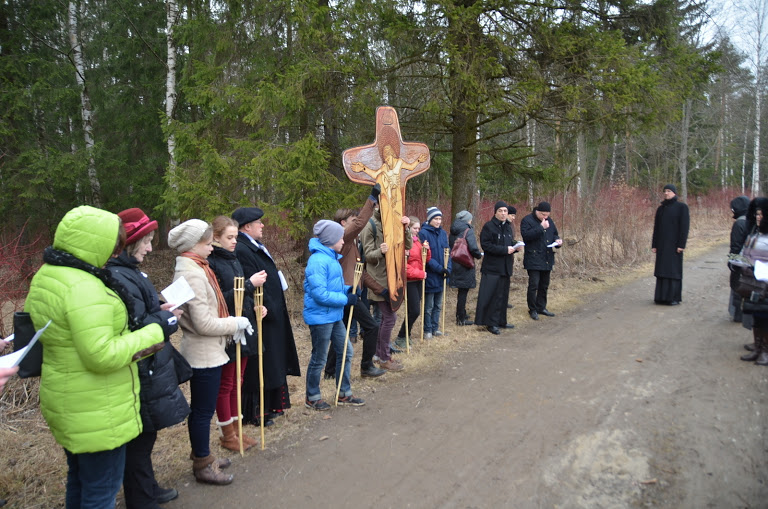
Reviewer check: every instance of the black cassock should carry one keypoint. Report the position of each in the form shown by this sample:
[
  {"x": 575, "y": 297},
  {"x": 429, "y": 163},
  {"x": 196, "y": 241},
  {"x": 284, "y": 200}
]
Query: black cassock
[{"x": 670, "y": 232}]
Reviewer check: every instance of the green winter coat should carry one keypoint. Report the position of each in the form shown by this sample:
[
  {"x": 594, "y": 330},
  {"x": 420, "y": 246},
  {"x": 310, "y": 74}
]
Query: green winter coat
[{"x": 89, "y": 387}]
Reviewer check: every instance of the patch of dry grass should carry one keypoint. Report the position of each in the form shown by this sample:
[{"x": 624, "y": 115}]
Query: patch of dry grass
[{"x": 33, "y": 466}]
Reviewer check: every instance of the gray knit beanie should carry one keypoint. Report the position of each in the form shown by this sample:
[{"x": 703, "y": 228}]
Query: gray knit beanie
[
  {"x": 464, "y": 216},
  {"x": 187, "y": 234},
  {"x": 328, "y": 232}
]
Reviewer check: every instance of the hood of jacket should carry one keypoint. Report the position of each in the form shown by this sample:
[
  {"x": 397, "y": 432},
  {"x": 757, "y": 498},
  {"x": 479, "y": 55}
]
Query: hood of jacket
[
  {"x": 315, "y": 246},
  {"x": 458, "y": 227},
  {"x": 739, "y": 205},
  {"x": 88, "y": 233}
]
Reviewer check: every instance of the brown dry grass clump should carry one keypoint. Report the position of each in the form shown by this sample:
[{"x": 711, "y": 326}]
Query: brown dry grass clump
[{"x": 33, "y": 466}]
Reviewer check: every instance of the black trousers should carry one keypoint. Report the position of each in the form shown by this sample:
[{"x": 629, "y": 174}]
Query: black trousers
[
  {"x": 538, "y": 284},
  {"x": 461, "y": 304},
  {"x": 370, "y": 334},
  {"x": 413, "y": 290},
  {"x": 139, "y": 483}
]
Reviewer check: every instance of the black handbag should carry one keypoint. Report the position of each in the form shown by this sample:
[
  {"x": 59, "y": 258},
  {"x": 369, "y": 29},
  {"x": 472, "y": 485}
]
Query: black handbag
[
  {"x": 183, "y": 369},
  {"x": 23, "y": 331}
]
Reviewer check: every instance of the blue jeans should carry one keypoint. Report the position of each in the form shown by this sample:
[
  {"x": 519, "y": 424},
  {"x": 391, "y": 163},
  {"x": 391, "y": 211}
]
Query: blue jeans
[
  {"x": 204, "y": 391},
  {"x": 433, "y": 305},
  {"x": 94, "y": 478},
  {"x": 322, "y": 335}
]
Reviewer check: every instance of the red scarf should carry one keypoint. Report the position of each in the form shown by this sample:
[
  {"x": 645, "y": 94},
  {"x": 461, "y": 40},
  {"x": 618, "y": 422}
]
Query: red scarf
[{"x": 203, "y": 264}]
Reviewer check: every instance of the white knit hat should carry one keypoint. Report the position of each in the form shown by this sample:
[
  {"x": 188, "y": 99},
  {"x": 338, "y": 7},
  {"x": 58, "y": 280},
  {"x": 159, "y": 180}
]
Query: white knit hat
[{"x": 187, "y": 234}]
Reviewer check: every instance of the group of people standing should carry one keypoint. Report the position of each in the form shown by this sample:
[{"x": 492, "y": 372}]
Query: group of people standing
[{"x": 110, "y": 376}]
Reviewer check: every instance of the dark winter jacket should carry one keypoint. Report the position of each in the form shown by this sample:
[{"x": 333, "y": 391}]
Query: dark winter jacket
[
  {"x": 280, "y": 356},
  {"x": 670, "y": 232},
  {"x": 162, "y": 402},
  {"x": 226, "y": 267},
  {"x": 461, "y": 276},
  {"x": 537, "y": 255},
  {"x": 739, "y": 231},
  {"x": 438, "y": 242},
  {"x": 495, "y": 238}
]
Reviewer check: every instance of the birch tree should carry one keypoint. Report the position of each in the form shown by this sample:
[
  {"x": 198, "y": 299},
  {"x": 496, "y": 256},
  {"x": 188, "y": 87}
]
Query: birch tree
[{"x": 86, "y": 110}]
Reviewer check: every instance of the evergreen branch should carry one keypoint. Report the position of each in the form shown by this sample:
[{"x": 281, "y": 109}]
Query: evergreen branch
[{"x": 138, "y": 33}]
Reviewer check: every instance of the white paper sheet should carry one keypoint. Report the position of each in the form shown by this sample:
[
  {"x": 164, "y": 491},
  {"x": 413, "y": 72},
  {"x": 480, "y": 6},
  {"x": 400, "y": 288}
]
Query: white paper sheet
[
  {"x": 761, "y": 271},
  {"x": 15, "y": 358},
  {"x": 178, "y": 293},
  {"x": 554, "y": 244}
]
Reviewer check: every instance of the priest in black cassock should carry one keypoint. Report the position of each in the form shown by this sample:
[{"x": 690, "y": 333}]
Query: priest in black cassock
[{"x": 670, "y": 233}]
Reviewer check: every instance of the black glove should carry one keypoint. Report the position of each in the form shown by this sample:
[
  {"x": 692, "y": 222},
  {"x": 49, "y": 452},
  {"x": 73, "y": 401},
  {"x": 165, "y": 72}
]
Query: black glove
[
  {"x": 351, "y": 299},
  {"x": 446, "y": 273},
  {"x": 375, "y": 192},
  {"x": 384, "y": 293}
]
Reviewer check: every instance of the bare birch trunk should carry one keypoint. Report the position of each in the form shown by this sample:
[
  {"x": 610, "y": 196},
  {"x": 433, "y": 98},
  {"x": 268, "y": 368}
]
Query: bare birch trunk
[
  {"x": 530, "y": 134},
  {"x": 172, "y": 16},
  {"x": 683, "y": 157},
  {"x": 756, "y": 148},
  {"x": 581, "y": 160},
  {"x": 86, "y": 109}
]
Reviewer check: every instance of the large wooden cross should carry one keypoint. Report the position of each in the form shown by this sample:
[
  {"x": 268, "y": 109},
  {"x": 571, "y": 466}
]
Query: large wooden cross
[{"x": 391, "y": 162}]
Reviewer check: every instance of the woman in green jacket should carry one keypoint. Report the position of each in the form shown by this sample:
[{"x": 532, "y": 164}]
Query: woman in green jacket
[{"x": 89, "y": 387}]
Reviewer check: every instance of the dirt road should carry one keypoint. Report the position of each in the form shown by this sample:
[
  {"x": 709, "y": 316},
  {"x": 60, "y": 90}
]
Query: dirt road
[{"x": 620, "y": 403}]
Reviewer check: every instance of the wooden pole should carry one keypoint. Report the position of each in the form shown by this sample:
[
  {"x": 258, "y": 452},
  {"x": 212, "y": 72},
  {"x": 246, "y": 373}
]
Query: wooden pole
[
  {"x": 239, "y": 295},
  {"x": 407, "y": 336},
  {"x": 423, "y": 287},
  {"x": 258, "y": 299},
  {"x": 358, "y": 275},
  {"x": 446, "y": 254}
]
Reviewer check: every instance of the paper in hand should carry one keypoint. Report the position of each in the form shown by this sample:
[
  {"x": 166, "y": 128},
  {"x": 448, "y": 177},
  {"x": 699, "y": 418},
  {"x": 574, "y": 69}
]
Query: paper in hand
[
  {"x": 761, "y": 271},
  {"x": 15, "y": 358},
  {"x": 554, "y": 244},
  {"x": 520, "y": 243},
  {"x": 178, "y": 293}
]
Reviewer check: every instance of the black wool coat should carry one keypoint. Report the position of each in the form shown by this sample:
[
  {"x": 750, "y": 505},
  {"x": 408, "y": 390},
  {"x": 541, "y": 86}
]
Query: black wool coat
[
  {"x": 495, "y": 237},
  {"x": 461, "y": 276},
  {"x": 537, "y": 255},
  {"x": 162, "y": 402},
  {"x": 670, "y": 231},
  {"x": 226, "y": 267},
  {"x": 280, "y": 358}
]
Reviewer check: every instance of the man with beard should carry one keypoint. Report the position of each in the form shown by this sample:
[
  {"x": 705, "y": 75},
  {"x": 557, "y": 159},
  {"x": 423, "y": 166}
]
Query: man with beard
[{"x": 670, "y": 233}]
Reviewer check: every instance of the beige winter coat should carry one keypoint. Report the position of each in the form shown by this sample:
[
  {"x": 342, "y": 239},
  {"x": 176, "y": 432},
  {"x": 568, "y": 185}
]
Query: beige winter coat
[{"x": 205, "y": 335}]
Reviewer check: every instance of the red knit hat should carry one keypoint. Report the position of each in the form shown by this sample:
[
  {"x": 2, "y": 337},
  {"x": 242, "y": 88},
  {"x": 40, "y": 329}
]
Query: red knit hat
[{"x": 136, "y": 224}]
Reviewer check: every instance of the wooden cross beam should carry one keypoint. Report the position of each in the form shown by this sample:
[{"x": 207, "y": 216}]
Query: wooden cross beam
[{"x": 391, "y": 162}]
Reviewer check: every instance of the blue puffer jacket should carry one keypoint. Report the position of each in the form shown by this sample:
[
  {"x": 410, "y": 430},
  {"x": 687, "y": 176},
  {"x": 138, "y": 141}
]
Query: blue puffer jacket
[
  {"x": 438, "y": 242},
  {"x": 325, "y": 293}
]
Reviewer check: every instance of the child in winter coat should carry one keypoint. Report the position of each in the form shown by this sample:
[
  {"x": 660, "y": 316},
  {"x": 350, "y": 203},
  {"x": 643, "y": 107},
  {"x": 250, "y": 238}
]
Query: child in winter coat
[
  {"x": 415, "y": 274},
  {"x": 436, "y": 270},
  {"x": 325, "y": 296}
]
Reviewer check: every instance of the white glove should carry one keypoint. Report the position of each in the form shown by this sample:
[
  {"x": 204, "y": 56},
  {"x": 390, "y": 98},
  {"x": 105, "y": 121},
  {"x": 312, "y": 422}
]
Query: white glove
[
  {"x": 243, "y": 323},
  {"x": 239, "y": 337}
]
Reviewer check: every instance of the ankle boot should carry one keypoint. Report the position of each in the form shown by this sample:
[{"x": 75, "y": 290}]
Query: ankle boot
[
  {"x": 754, "y": 353},
  {"x": 761, "y": 348},
  {"x": 229, "y": 438},
  {"x": 207, "y": 471}
]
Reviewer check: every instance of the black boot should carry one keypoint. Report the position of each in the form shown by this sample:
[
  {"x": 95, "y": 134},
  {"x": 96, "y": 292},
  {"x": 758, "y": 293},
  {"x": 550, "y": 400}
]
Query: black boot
[
  {"x": 761, "y": 348},
  {"x": 755, "y": 352}
]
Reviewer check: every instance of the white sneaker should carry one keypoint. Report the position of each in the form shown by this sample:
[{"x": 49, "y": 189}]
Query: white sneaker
[
  {"x": 438, "y": 333},
  {"x": 427, "y": 335}
]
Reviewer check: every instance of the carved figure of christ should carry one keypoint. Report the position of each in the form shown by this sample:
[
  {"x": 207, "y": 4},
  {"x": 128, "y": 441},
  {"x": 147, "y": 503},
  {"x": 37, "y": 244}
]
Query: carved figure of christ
[{"x": 381, "y": 162}]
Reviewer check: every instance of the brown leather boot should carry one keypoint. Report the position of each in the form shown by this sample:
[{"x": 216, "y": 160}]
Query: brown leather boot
[
  {"x": 207, "y": 471},
  {"x": 229, "y": 439},
  {"x": 248, "y": 442}
]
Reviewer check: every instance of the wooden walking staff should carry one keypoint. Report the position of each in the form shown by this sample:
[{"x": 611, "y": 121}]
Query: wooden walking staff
[
  {"x": 258, "y": 299},
  {"x": 358, "y": 275},
  {"x": 407, "y": 337},
  {"x": 391, "y": 162},
  {"x": 423, "y": 287},
  {"x": 446, "y": 254},
  {"x": 239, "y": 295}
]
